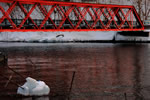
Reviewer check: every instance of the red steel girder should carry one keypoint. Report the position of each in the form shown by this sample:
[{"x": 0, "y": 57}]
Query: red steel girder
[
  {"x": 48, "y": 2},
  {"x": 98, "y": 17},
  {"x": 7, "y": 17},
  {"x": 8, "y": 11},
  {"x": 115, "y": 14},
  {"x": 5, "y": 14},
  {"x": 45, "y": 13},
  {"x": 27, "y": 15},
  {"x": 47, "y": 16},
  {"x": 80, "y": 18},
  {"x": 83, "y": 16},
  {"x": 112, "y": 18},
  {"x": 65, "y": 16},
  {"x": 125, "y": 17}
]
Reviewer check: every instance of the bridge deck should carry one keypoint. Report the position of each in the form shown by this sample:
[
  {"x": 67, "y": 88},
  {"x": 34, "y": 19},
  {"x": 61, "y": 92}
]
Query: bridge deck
[{"x": 44, "y": 15}]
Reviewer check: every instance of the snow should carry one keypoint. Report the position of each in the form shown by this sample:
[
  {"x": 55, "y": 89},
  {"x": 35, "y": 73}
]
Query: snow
[
  {"x": 147, "y": 30},
  {"x": 33, "y": 87},
  {"x": 56, "y": 36},
  {"x": 64, "y": 36}
]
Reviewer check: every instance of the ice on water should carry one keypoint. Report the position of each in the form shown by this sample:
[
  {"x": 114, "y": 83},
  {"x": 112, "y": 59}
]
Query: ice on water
[{"x": 33, "y": 87}]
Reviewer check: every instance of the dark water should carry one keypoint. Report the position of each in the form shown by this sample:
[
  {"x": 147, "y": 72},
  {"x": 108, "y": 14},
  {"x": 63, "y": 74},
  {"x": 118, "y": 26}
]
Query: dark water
[{"x": 102, "y": 71}]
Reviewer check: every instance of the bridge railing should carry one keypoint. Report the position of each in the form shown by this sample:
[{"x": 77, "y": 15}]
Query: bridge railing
[
  {"x": 28, "y": 24},
  {"x": 67, "y": 16}
]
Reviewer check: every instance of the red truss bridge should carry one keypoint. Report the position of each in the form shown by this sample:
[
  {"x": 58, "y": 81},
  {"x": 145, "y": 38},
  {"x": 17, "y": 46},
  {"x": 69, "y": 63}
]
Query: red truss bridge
[{"x": 45, "y": 15}]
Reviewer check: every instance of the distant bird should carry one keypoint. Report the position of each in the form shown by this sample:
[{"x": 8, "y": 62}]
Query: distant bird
[{"x": 60, "y": 35}]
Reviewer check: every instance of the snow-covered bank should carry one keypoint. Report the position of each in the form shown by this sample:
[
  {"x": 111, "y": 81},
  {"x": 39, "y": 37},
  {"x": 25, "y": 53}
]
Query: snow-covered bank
[
  {"x": 65, "y": 36},
  {"x": 56, "y": 36},
  {"x": 147, "y": 30}
]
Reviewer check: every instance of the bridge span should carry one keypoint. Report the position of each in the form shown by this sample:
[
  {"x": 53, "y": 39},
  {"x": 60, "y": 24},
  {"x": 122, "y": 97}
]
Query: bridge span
[{"x": 45, "y": 15}]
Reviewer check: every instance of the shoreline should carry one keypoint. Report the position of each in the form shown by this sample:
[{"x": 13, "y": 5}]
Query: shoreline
[{"x": 84, "y": 41}]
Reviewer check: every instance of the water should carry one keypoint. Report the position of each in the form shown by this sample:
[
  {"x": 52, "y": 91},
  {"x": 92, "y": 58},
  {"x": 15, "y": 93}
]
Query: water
[{"x": 102, "y": 71}]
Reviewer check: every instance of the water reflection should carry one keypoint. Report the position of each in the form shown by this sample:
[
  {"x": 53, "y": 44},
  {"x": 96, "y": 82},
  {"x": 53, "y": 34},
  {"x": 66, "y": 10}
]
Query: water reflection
[
  {"x": 103, "y": 71},
  {"x": 36, "y": 98}
]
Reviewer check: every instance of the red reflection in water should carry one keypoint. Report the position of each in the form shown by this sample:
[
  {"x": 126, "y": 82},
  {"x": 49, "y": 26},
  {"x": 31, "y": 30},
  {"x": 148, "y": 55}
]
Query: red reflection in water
[{"x": 102, "y": 72}]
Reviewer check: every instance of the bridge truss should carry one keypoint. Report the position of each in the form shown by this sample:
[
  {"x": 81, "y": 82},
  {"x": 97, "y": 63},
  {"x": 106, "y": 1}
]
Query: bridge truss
[{"x": 66, "y": 16}]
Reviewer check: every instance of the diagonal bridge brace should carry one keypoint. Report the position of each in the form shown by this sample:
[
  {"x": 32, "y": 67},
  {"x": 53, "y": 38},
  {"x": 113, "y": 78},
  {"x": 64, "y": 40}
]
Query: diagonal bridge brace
[
  {"x": 45, "y": 13},
  {"x": 12, "y": 6},
  {"x": 27, "y": 15},
  {"x": 125, "y": 18},
  {"x": 98, "y": 17},
  {"x": 66, "y": 16},
  {"x": 47, "y": 16}
]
